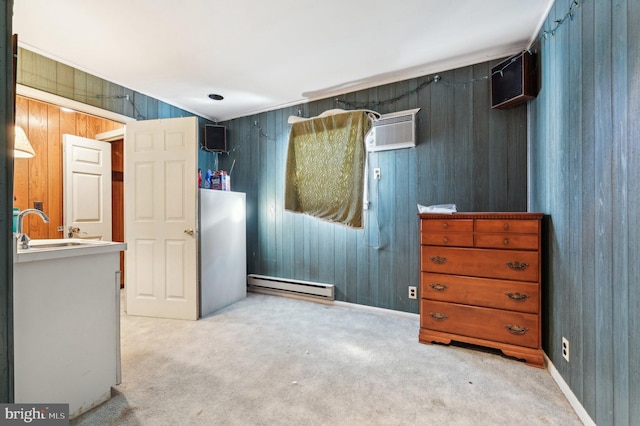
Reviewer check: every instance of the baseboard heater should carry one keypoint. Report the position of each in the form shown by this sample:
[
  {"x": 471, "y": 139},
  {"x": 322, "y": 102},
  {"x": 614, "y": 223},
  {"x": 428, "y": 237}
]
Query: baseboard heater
[{"x": 284, "y": 286}]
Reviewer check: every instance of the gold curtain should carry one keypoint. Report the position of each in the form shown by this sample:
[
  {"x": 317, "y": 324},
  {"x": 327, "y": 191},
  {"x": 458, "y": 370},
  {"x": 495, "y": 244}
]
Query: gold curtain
[{"x": 325, "y": 167}]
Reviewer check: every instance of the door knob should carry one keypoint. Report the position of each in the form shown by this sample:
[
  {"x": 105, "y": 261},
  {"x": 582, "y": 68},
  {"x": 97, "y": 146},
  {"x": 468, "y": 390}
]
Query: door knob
[
  {"x": 72, "y": 231},
  {"x": 188, "y": 231}
]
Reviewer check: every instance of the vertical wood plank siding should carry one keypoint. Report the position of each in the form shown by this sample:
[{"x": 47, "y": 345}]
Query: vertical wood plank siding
[
  {"x": 45, "y": 74},
  {"x": 467, "y": 154},
  {"x": 40, "y": 178},
  {"x": 6, "y": 180},
  {"x": 584, "y": 173},
  {"x": 584, "y": 169}
]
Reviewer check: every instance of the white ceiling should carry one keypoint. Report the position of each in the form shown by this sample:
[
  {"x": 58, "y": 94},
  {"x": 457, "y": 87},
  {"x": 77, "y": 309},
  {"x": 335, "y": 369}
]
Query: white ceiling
[{"x": 263, "y": 55}]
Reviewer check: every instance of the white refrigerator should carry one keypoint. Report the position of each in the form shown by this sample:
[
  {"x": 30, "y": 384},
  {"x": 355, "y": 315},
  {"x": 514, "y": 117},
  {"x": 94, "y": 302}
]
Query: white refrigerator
[{"x": 222, "y": 249}]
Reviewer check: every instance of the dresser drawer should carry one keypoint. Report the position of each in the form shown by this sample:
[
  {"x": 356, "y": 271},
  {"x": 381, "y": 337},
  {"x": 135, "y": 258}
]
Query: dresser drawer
[
  {"x": 486, "y": 263},
  {"x": 449, "y": 225},
  {"x": 501, "y": 294},
  {"x": 456, "y": 239},
  {"x": 518, "y": 226},
  {"x": 507, "y": 241},
  {"x": 500, "y": 326}
]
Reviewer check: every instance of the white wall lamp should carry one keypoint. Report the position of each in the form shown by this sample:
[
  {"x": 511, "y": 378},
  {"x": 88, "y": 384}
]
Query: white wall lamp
[{"x": 22, "y": 148}]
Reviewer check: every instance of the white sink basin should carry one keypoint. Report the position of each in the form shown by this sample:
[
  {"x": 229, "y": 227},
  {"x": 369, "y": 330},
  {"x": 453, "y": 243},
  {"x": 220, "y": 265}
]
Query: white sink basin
[
  {"x": 60, "y": 243},
  {"x": 64, "y": 247},
  {"x": 54, "y": 245}
]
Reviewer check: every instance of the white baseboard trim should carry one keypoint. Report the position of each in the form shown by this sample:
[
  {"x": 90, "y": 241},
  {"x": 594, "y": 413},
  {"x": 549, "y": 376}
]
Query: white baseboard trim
[
  {"x": 372, "y": 309},
  {"x": 375, "y": 310},
  {"x": 566, "y": 390}
]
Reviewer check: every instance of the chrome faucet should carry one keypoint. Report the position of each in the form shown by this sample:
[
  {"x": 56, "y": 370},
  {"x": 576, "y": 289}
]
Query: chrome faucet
[{"x": 24, "y": 238}]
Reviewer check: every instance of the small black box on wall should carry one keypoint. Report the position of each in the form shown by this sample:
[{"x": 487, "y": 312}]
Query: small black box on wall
[
  {"x": 215, "y": 138},
  {"x": 514, "y": 81}
]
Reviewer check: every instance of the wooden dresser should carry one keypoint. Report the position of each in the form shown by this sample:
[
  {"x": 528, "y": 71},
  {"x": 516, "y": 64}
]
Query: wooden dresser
[{"x": 480, "y": 281}]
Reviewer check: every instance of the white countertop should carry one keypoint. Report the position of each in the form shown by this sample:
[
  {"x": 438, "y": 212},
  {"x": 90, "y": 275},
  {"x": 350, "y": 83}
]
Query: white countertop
[{"x": 60, "y": 248}]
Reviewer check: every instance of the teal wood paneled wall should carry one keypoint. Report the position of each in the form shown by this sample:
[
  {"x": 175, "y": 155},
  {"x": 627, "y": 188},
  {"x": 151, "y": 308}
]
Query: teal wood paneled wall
[
  {"x": 50, "y": 76},
  {"x": 585, "y": 173},
  {"x": 6, "y": 202},
  {"x": 467, "y": 154}
]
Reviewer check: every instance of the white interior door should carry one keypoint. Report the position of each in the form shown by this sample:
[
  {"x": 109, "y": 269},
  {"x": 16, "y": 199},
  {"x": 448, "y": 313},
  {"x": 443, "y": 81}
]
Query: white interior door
[
  {"x": 160, "y": 183},
  {"x": 86, "y": 171}
]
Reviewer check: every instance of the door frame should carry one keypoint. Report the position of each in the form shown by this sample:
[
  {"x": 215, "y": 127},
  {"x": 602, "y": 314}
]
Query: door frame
[
  {"x": 116, "y": 214},
  {"x": 39, "y": 95}
]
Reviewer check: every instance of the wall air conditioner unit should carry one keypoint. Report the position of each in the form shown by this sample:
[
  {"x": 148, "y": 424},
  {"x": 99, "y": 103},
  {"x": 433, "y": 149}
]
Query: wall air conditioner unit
[{"x": 393, "y": 131}]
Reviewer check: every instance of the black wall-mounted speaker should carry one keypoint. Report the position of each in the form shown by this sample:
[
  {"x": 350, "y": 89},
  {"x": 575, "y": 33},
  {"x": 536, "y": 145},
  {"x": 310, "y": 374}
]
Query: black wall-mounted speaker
[
  {"x": 215, "y": 138},
  {"x": 514, "y": 81}
]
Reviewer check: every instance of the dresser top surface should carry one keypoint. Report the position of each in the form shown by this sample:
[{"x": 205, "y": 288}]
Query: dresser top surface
[{"x": 482, "y": 215}]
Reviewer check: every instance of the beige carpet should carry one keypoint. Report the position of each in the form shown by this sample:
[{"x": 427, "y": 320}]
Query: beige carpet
[{"x": 277, "y": 361}]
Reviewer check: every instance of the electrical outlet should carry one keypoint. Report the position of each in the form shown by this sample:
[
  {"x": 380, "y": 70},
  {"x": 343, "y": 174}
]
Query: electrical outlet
[
  {"x": 413, "y": 292},
  {"x": 565, "y": 348},
  {"x": 365, "y": 205},
  {"x": 376, "y": 173}
]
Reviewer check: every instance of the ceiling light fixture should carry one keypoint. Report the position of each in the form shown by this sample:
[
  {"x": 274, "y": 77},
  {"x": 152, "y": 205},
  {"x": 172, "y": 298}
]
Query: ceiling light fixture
[{"x": 216, "y": 97}]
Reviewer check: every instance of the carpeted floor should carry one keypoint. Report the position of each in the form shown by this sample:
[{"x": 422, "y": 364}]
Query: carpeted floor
[{"x": 271, "y": 360}]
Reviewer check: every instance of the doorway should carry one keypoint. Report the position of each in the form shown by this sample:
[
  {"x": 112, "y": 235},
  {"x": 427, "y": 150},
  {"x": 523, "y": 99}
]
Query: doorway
[
  {"x": 116, "y": 138},
  {"x": 45, "y": 118},
  {"x": 117, "y": 198}
]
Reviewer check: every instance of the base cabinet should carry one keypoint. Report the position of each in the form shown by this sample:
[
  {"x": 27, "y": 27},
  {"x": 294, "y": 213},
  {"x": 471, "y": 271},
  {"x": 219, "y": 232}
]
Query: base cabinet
[
  {"x": 66, "y": 319},
  {"x": 480, "y": 281}
]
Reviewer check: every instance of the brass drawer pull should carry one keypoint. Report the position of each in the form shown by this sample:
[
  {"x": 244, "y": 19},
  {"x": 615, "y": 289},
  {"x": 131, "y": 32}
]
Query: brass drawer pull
[
  {"x": 445, "y": 225},
  {"x": 506, "y": 226},
  {"x": 517, "y": 296},
  {"x": 437, "y": 259},
  {"x": 438, "y": 316},
  {"x": 516, "y": 329},
  {"x": 506, "y": 241},
  {"x": 518, "y": 266},
  {"x": 438, "y": 286},
  {"x": 445, "y": 240}
]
